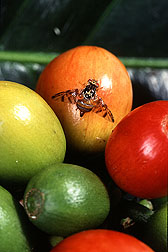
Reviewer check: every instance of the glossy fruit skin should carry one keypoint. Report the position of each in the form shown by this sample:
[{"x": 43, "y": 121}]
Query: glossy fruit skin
[
  {"x": 64, "y": 198},
  {"x": 101, "y": 241},
  {"x": 136, "y": 152},
  {"x": 71, "y": 70},
  {"x": 31, "y": 135}
]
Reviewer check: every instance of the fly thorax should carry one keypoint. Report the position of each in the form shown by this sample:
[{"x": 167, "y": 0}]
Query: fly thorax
[{"x": 89, "y": 92}]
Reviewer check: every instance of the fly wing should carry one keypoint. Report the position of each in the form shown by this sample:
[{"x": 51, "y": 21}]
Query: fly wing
[
  {"x": 102, "y": 110},
  {"x": 69, "y": 96}
]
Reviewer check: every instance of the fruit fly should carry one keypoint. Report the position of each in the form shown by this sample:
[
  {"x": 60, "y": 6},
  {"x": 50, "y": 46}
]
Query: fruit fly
[{"x": 86, "y": 100}]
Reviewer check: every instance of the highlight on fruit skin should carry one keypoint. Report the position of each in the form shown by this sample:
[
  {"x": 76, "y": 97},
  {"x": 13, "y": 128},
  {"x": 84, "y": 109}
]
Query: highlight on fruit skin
[
  {"x": 101, "y": 240},
  {"x": 67, "y": 76},
  {"x": 136, "y": 152}
]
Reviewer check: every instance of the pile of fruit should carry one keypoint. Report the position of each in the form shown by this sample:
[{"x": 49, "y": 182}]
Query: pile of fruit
[{"x": 80, "y": 169}]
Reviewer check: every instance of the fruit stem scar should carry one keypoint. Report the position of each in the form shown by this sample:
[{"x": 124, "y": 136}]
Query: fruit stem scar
[
  {"x": 164, "y": 124},
  {"x": 33, "y": 203}
]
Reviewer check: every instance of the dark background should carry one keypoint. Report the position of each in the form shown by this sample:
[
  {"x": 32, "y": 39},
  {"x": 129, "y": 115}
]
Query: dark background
[
  {"x": 32, "y": 32},
  {"x": 130, "y": 29}
]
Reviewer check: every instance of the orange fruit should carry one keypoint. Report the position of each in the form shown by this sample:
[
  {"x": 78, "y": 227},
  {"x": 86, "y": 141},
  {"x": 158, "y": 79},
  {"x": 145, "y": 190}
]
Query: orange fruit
[
  {"x": 101, "y": 240},
  {"x": 71, "y": 70}
]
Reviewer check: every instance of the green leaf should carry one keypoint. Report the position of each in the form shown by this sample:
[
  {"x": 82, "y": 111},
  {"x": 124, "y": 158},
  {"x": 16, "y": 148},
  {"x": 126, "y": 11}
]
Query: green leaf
[
  {"x": 133, "y": 28},
  {"x": 148, "y": 78},
  {"x": 44, "y": 58},
  {"x": 51, "y": 25},
  {"x": 30, "y": 57},
  {"x": 34, "y": 32},
  {"x": 8, "y": 10}
]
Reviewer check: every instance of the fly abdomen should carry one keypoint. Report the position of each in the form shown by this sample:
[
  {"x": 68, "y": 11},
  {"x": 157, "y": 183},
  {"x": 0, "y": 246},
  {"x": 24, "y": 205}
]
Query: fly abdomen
[{"x": 84, "y": 107}]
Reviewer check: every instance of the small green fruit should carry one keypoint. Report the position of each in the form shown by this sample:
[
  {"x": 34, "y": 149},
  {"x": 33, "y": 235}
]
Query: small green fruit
[
  {"x": 64, "y": 198},
  {"x": 156, "y": 230}
]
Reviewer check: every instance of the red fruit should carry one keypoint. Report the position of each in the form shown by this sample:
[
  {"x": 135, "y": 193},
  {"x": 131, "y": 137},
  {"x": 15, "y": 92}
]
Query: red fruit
[
  {"x": 101, "y": 240},
  {"x": 137, "y": 151}
]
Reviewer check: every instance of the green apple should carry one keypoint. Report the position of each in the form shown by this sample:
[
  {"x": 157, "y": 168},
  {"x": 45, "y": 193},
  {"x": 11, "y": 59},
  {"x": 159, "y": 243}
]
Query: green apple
[
  {"x": 31, "y": 136},
  {"x": 156, "y": 230}
]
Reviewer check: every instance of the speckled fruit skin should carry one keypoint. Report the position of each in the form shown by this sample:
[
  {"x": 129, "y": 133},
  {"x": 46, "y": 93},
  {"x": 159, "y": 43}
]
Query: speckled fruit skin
[
  {"x": 31, "y": 136},
  {"x": 64, "y": 199},
  {"x": 71, "y": 70},
  {"x": 101, "y": 241},
  {"x": 137, "y": 151}
]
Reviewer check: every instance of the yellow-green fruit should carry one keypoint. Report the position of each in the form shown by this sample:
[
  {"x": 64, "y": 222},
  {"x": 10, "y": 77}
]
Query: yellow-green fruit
[
  {"x": 31, "y": 135},
  {"x": 156, "y": 230},
  {"x": 13, "y": 225}
]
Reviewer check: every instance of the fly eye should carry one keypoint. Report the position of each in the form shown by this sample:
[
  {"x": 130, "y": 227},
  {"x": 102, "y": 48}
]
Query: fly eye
[{"x": 95, "y": 82}]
